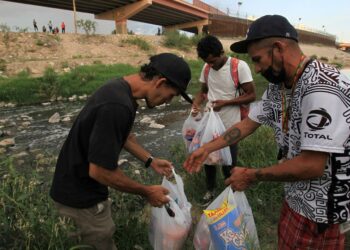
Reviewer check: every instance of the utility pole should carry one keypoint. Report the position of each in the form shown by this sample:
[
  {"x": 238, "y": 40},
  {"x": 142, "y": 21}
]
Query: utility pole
[
  {"x": 75, "y": 17},
  {"x": 239, "y": 5}
]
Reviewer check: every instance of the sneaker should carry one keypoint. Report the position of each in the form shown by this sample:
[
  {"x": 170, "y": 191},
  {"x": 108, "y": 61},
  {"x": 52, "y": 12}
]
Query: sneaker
[{"x": 207, "y": 198}]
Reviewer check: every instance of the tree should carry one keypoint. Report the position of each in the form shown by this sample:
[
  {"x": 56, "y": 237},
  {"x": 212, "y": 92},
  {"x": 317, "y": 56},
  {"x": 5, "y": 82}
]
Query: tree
[{"x": 87, "y": 25}]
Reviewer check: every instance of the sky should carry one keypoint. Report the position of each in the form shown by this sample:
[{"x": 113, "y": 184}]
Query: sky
[{"x": 321, "y": 15}]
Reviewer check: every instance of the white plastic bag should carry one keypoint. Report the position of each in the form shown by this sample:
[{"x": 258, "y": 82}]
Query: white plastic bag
[
  {"x": 166, "y": 232},
  {"x": 214, "y": 129},
  {"x": 203, "y": 239},
  {"x": 197, "y": 139},
  {"x": 190, "y": 127}
]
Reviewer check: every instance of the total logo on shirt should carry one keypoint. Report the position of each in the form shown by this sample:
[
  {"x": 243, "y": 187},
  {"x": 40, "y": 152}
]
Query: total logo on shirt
[{"x": 318, "y": 119}]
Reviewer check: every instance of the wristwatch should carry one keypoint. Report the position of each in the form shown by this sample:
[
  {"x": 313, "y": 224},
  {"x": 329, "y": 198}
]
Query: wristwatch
[{"x": 148, "y": 162}]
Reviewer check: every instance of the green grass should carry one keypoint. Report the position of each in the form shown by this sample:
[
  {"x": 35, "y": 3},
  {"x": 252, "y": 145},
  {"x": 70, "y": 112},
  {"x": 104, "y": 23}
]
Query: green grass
[
  {"x": 196, "y": 67},
  {"x": 260, "y": 150},
  {"x": 175, "y": 39},
  {"x": 39, "y": 42},
  {"x": 20, "y": 89},
  {"x": 139, "y": 42},
  {"x": 2, "y": 65},
  {"x": 27, "y": 214},
  {"x": 28, "y": 220},
  {"x": 24, "y": 89}
]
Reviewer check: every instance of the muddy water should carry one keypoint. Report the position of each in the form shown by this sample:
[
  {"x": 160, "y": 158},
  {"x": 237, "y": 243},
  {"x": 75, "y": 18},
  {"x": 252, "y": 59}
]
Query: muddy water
[{"x": 30, "y": 128}]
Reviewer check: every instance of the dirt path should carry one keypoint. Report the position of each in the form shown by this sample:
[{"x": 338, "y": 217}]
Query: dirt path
[{"x": 33, "y": 52}]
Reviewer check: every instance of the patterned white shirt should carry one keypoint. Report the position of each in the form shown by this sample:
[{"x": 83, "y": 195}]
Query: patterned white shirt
[{"x": 320, "y": 121}]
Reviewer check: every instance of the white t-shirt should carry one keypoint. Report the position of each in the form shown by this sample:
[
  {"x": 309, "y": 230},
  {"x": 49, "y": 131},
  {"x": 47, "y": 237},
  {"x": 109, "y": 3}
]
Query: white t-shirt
[
  {"x": 320, "y": 121},
  {"x": 222, "y": 87}
]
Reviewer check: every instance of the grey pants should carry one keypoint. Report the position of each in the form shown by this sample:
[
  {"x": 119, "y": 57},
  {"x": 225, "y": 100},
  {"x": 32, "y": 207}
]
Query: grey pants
[{"x": 95, "y": 226}]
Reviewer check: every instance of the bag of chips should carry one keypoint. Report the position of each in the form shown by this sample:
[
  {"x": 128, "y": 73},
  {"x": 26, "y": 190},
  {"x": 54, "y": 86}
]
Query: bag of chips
[{"x": 229, "y": 222}]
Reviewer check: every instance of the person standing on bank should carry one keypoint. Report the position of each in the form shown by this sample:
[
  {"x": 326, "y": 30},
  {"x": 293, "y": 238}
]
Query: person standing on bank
[
  {"x": 63, "y": 27},
  {"x": 87, "y": 164},
  {"x": 307, "y": 103},
  {"x": 35, "y": 26},
  {"x": 50, "y": 26},
  {"x": 222, "y": 92}
]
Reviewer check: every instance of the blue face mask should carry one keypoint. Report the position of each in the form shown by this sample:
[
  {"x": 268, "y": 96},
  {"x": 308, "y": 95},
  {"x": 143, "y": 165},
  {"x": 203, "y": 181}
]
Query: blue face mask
[{"x": 272, "y": 76}]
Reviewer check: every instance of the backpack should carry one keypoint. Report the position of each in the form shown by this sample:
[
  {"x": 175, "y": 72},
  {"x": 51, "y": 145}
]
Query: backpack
[{"x": 244, "y": 108}]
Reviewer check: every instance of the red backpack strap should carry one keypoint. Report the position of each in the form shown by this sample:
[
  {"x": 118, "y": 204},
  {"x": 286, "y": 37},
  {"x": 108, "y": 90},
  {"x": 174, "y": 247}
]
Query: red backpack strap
[
  {"x": 234, "y": 71},
  {"x": 206, "y": 73},
  {"x": 244, "y": 108}
]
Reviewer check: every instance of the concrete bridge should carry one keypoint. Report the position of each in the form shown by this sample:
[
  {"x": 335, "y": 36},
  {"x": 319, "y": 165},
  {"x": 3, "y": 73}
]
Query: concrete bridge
[
  {"x": 167, "y": 13},
  {"x": 170, "y": 14}
]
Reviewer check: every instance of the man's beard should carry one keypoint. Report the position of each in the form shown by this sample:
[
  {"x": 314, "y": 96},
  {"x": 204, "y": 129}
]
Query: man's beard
[
  {"x": 270, "y": 73},
  {"x": 271, "y": 77}
]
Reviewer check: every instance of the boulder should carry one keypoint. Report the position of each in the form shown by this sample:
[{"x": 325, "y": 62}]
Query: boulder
[
  {"x": 7, "y": 142},
  {"x": 55, "y": 118}
]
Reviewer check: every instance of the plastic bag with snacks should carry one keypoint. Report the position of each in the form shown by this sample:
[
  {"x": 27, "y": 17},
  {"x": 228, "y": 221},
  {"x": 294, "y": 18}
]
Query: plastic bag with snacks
[
  {"x": 171, "y": 223},
  {"x": 228, "y": 223},
  {"x": 197, "y": 138},
  {"x": 190, "y": 127},
  {"x": 215, "y": 128}
]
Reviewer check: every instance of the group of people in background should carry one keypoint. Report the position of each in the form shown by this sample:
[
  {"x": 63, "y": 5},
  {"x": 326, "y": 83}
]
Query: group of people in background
[{"x": 51, "y": 29}]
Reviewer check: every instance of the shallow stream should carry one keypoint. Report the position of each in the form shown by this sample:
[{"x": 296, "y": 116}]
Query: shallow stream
[{"x": 32, "y": 132}]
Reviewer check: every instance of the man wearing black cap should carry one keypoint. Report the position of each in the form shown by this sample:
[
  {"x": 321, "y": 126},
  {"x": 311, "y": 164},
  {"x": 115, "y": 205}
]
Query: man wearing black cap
[
  {"x": 87, "y": 164},
  {"x": 307, "y": 103}
]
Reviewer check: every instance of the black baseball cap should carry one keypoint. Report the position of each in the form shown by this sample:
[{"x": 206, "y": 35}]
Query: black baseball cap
[
  {"x": 175, "y": 70},
  {"x": 265, "y": 27}
]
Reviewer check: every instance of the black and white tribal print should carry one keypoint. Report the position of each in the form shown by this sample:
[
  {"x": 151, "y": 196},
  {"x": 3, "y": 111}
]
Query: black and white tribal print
[{"x": 320, "y": 121}]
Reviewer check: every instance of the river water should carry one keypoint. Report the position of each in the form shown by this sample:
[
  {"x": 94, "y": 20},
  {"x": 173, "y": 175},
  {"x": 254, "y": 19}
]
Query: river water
[{"x": 30, "y": 128}]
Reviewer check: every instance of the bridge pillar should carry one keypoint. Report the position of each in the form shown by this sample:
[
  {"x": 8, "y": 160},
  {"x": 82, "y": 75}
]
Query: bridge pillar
[
  {"x": 198, "y": 24},
  {"x": 199, "y": 29},
  {"x": 120, "y": 15},
  {"x": 120, "y": 27}
]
